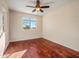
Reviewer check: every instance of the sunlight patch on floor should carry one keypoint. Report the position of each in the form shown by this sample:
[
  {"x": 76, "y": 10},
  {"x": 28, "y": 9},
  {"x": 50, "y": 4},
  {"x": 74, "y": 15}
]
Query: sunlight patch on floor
[{"x": 18, "y": 54}]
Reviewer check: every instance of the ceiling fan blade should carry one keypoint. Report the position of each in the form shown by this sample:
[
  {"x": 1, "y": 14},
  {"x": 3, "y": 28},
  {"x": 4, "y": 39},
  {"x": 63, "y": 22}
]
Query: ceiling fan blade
[
  {"x": 45, "y": 6},
  {"x": 34, "y": 10},
  {"x": 30, "y": 6},
  {"x": 41, "y": 10}
]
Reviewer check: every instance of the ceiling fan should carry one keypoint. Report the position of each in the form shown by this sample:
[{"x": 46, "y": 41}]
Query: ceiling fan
[{"x": 38, "y": 7}]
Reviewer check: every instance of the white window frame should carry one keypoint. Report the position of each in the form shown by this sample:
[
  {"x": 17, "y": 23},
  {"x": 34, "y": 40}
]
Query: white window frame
[{"x": 25, "y": 19}]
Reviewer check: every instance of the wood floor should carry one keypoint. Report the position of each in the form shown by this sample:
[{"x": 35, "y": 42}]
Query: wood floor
[{"x": 39, "y": 48}]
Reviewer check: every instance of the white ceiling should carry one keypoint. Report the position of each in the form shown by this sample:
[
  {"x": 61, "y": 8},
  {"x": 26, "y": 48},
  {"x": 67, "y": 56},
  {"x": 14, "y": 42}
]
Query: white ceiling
[{"x": 20, "y": 5}]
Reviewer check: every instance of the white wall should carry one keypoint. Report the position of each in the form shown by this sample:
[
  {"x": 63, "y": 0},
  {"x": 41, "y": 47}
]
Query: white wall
[
  {"x": 62, "y": 25},
  {"x": 16, "y": 30},
  {"x": 4, "y": 40}
]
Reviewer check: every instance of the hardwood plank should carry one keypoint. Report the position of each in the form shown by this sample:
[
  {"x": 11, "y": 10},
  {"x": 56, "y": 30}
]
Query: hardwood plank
[{"x": 39, "y": 48}]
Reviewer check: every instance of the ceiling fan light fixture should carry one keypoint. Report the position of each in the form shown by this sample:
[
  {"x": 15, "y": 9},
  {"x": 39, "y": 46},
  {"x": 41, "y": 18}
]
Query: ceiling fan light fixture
[{"x": 37, "y": 9}]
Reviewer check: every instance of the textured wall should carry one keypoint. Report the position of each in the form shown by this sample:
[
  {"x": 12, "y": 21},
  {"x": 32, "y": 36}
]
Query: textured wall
[
  {"x": 16, "y": 30},
  {"x": 62, "y": 25}
]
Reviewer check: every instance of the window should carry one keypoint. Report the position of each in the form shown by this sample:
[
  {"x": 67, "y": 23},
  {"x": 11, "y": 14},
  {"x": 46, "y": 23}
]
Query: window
[{"x": 29, "y": 23}]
